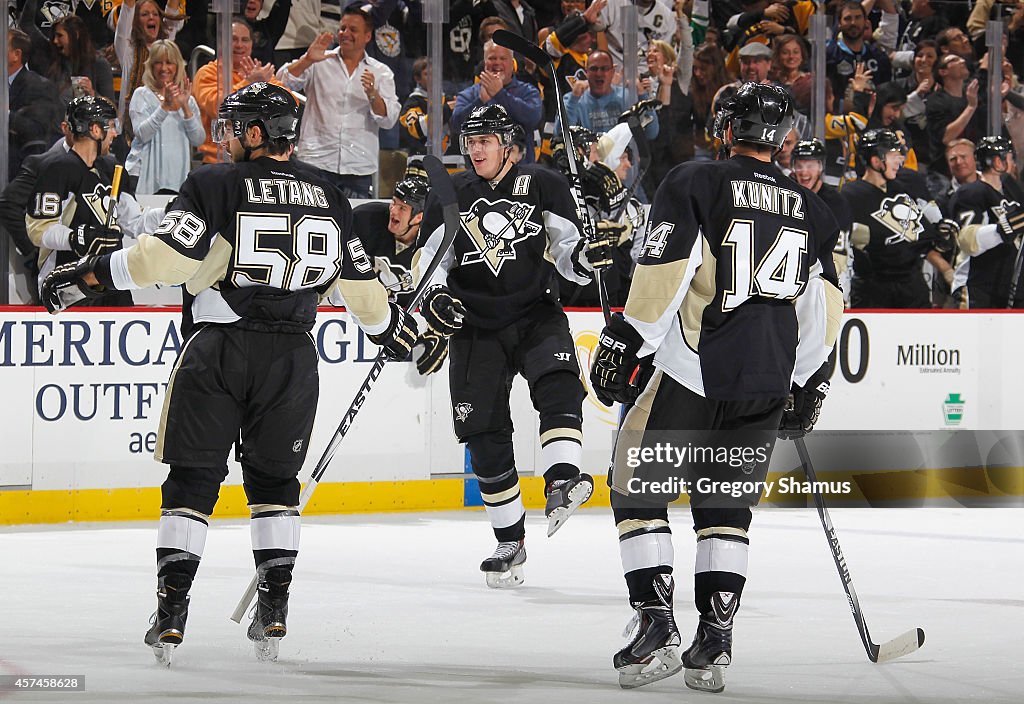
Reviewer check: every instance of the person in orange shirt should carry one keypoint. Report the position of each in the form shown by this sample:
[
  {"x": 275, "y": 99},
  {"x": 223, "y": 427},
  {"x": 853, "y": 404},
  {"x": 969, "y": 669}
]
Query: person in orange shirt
[{"x": 245, "y": 71}]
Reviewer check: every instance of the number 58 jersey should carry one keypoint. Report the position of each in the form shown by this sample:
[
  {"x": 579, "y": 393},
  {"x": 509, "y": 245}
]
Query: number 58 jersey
[
  {"x": 735, "y": 291},
  {"x": 259, "y": 240}
]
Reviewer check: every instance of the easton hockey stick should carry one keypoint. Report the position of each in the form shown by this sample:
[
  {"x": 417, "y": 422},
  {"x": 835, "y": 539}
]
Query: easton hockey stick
[
  {"x": 890, "y": 650},
  {"x": 537, "y": 55},
  {"x": 440, "y": 183}
]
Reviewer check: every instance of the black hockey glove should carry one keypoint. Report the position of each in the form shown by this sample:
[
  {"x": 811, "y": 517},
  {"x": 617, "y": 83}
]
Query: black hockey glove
[
  {"x": 602, "y": 189},
  {"x": 90, "y": 240},
  {"x": 65, "y": 285},
  {"x": 643, "y": 110},
  {"x": 615, "y": 361},
  {"x": 435, "y": 351},
  {"x": 804, "y": 405},
  {"x": 1010, "y": 221},
  {"x": 946, "y": 231},
  {"x": 598, "y": 251},
  {"x": 400, "y": 336},
  {"x": 442, "y": 311}
]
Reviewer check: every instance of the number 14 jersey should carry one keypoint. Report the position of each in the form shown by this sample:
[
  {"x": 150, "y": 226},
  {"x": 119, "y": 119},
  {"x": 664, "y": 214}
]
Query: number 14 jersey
[{"x": 735, "y": 291}]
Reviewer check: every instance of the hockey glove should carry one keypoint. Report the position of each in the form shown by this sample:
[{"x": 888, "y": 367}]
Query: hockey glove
[
  {"x": 602, "y": 189},
  {"x": 442, "y": 311},
  {"x": 643, "y": 110},
  {"x": 435, "y": 351},
  {"x": 804, "y": 405},
  {"x": 946, "y": 231},
  {"x": 1010, "y": 221},
  {"x": 400, "y": 336},
  {"x": 615, "y": 361},
  {"x": 599, "y": 250},
  {"x": 65, "y": 285},
  {"x": 90, "y": 240}
]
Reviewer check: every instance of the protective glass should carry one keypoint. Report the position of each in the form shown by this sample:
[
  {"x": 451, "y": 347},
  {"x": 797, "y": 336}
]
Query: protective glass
[{"x": 223, "y": 130}]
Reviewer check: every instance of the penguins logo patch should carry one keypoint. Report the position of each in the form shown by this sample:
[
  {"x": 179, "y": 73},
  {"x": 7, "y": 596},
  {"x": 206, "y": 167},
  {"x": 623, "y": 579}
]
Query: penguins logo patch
[
  {"x": 495, "y": 229},
  {"x": 395, "y": 277},
  {"x": 901, "y": 215},
  {"x": 99, "y": 203},
  {"x": 462, "y": 411}
]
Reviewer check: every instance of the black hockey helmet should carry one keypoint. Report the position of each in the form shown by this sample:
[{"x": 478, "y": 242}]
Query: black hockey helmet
[
  {"x": 519, "y": 137},
  {"x": 759, "y": 113},
  {"x": 809, "y": 149},
  {"x": 989, "y": 148},
  {"x": 878, "y": 142},
  {"x": 582, "y": 138},
  {"x": 412, "y": 191},
  {"x": 487, "y": 119},
  {"x": 87, "y": 110},
  {"x": 270, "y": 106}
]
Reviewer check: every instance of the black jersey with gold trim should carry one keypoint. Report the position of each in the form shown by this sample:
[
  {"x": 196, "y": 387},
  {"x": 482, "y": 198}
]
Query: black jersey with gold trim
[
  {"x": 514, "y": 237},
  {"x": 238, "y": 235},
  {"x": 988, "y": 262},
  {"x": 888, "y": 231},
  {"x": 735, "y": 275}
]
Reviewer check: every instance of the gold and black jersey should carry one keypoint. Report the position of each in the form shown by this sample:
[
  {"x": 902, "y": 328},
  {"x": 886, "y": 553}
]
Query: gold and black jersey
[
  {"x": 513, "y": 237},
  {"x": 265, "y": 227},
  {"x": 888, "y": 234},
  {"x": 987, "y": 264},
  {"x": 735, "y": 291},
  {"x": 392, "y": 261}
]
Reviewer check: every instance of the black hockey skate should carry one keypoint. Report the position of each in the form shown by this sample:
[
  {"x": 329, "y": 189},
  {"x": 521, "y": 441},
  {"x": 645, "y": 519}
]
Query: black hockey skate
[
  {"x": 564, "y": 497},
  {"x": 168, "y": 623},
  {"x": 712, "y": 645},
  {"x": 269, "y": 616},
  {"x": 653, "y": 653},
  {"x": 504, "y": 569}
]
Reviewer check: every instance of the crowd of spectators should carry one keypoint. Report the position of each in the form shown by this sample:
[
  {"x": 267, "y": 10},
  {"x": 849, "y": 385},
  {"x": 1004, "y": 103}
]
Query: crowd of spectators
[{"x": 918, "y": 67}]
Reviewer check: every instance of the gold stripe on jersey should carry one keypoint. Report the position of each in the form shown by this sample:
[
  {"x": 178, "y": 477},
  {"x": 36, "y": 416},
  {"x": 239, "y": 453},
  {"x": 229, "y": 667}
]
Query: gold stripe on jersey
[
  {"x": 968, "y": 240},
  {"x": 213, "y": 268},
  {"x": 654, "y": 287},
  {"x": 699, "y": 296},
  {"x": 633, "y": 427},
  {"x": 153, "y": 261},
  {"x": 367, "y": 300},
  {"x": 833, "y": 312},
  {"x": 860, "y": 235}
]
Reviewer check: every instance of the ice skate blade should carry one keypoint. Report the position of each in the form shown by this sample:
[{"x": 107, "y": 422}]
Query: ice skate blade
[
  {"x": 707, "y": 679},
  {"x": 668, "y": 664},
  {"x": 506, "y": 580},
  {"x": 267, "y": 650},
  {"x": 163, "y": 652},
  {"x": 578, "y": 496}
]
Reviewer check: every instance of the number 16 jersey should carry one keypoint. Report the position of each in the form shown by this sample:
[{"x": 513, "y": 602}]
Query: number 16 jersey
[{"x": 735, "y": 291}]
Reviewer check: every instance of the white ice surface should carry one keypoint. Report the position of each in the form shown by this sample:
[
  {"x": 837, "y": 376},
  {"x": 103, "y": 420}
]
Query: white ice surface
[{"x": 392, "y": 608}]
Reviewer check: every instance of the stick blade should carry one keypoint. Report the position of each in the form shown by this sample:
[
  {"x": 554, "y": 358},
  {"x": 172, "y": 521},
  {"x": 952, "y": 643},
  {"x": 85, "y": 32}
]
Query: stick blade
[
  {"x": 900, "y": 646},
  {"x": 516, "y": 43},
  {"x": 440, "y": 181}
]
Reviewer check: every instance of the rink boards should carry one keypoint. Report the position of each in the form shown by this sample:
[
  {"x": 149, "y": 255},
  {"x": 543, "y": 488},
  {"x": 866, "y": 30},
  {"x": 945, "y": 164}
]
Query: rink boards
[{"x": 923, "y": 406}]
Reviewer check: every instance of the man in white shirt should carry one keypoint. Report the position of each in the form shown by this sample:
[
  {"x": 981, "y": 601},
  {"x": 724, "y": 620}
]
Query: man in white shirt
[{"x": 350, "y": 96}]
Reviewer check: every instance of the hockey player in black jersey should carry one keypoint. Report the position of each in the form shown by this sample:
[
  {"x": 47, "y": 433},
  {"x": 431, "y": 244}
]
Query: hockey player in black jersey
[
  {"x": 735, "y": 295},
  {"x": 519, "y": 230},
  {"x": 890, "y": 235},
  {"x": 989, "y": 212},
  {"x": 255, "y": 244},
  {"x": 67, "y": 217},
  {"x": 388, "y": 232},
  {"x": 808, "y": 165}
]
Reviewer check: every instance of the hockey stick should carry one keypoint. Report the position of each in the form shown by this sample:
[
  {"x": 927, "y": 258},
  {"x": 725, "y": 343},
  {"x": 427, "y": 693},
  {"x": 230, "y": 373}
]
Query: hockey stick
[
  {"x": 890, "y": 650},
  {"x": 440, "y": 183},
  {"x": 537, "y": 55},
  {"x": 115, "y": 192},
  {"x": 1017, "y": 262}
]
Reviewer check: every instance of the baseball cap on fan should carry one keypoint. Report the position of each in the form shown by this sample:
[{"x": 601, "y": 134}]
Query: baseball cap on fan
[{"x": 755, "y": 50}]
